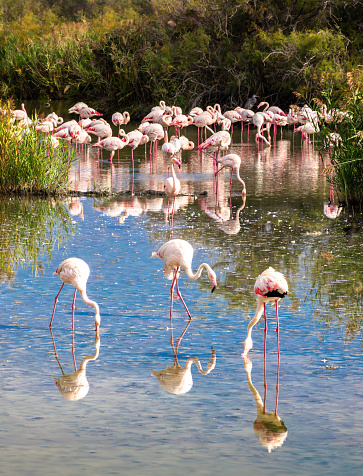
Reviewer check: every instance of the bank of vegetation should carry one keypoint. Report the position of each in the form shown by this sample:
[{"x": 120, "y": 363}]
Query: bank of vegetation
[
  {"x": 130, "y": 54},
  {"x": 186, "y": 52}
]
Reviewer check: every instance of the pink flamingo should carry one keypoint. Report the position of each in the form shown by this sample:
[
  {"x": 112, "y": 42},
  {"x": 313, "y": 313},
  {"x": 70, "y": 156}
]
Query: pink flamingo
[
  {"x": 154, "y": 132},
  {"x": 270, "y": 286},
  {"x": 258, "y": 120},
  {"x": 76, "y": 108},
  {"x": 232, "y": 161},
  {"x": 75, "y": 271},
  {"x": 19, "y": 114},
  {"x": 113, "y": 143},
  {"x": 87, "y": 112},
  {"x": 165, "y": 121},
  {"x": 176, "y": 254},
  {"x": 181, "y": 121},
  {"x": 206, "y": 118}
]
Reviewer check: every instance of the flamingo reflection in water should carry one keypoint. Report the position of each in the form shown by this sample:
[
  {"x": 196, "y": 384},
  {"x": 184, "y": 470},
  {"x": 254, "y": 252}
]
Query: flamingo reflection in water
[
  {"x": 222, "y": 214},
  {"x": 75, "y": 386},
  {"x": 177, "y": 379},
  {"x": 270, "y": 430}
]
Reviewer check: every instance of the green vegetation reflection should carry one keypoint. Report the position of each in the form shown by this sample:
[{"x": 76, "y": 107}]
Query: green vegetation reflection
[{"x": 30, "y": 228}]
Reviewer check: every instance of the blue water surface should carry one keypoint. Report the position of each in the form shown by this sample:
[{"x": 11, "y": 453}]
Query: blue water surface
[{"x": 127, "y": 422}]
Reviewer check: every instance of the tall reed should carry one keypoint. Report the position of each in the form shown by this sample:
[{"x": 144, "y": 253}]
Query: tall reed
[
  {"x": 344, "y": 137},
  {"x": 29, "y": 163}
]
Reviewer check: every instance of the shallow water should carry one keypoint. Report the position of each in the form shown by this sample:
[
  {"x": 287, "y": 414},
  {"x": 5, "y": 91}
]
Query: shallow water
[{"x": 127, "y": 422}]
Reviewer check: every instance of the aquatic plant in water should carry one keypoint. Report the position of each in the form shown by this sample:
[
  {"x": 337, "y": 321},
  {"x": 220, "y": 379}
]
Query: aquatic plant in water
[
  {"x": 29, "y": 162},
  {"x": 343, "y": 134}
]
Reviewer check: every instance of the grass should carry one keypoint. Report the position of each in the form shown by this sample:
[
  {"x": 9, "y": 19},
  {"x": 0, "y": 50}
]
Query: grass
[
  {"x": 28, "y": 161},
  {"x": 346, "y": 155}
]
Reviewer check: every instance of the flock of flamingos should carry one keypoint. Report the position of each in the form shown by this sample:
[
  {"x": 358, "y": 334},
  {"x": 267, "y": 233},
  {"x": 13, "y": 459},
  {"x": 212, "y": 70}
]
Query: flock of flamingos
[{"x": 270, "y": 286}]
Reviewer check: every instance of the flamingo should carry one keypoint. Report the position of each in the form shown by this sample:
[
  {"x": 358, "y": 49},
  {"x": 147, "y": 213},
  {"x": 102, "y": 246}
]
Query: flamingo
[
  {"x": 169, "y": 149},
  {"x": 172, "y": 185},
  {"x": 185, "y": 143},
  {"x": 113, "y": 143},
  {"x": 181, "y": 121},
  {"x": 65, "y": 125},
  {"x": 233, "y": 116},
  {"x": 195, "y": 111},
  {"x": 100, "y": 130},
  {"x": 75, "y": 271},
  {"x": 19, "y": 114},
  {"x": 258, "y": 120},
  {"x": 232, "y": 161},
  {"x": 119, "y": 119},
  {"x": 154, "y": 132},
  {"x": 176, "y": 254},
  {"x": 165, "y": 121},
  {"x": 76, "y": 108},
  {"x": 153, "y": 115},
  {"x": 206, "y": 118},
  {"x": 86, "y": 112},
  {"x": 46, "y": 126},
  {"x": 270, "y": 286}
]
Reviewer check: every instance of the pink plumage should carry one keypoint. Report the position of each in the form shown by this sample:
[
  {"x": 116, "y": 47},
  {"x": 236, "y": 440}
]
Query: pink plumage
[
  {"x": 270, "y": 286},
  {"x": 75, "y": 271}
]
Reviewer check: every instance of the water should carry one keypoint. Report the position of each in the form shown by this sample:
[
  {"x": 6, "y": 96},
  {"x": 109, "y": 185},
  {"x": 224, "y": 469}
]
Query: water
[{"x": 126, "y": 422}]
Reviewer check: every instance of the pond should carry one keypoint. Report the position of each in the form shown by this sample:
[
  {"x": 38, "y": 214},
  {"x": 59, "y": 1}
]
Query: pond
[{"x": 116, "y": 414}]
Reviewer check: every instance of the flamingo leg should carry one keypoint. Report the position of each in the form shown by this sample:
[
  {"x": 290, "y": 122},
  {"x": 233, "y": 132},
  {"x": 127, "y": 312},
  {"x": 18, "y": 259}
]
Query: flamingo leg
[
  {"x": 182, "y": 300},
  {"x": 171, "y": 310},
  {"x": 133, "y": 171},
  {"x": 172, "y": 221},
  {"x": 219, "y": 170},
  {"x": 277, "y": 330},
  {"x": 73, "y": 308},
  {"x": 277, "y": 383},
  {"x": 55, "y": 351},
  {"x": 180, "y": 338},
  {"x": 73, "y": 352},
  {"x": 55, "y": 303},
  {"x": 265, "y": 333},
  {"x": 264, "y": 381}
]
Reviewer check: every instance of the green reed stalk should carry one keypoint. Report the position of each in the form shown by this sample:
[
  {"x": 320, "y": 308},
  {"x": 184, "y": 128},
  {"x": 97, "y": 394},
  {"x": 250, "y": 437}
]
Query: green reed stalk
[
  {"x": 347, "y": 154},
  {"x": 28, "y": 161}
]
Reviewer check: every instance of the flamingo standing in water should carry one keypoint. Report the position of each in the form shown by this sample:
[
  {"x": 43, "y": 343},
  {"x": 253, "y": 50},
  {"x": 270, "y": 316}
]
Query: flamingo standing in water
[
  {"x": 270, "y": 286},
  {"x": 113, "y": 143},
  {"x": 172, "y": 186},
  {"x": 233, "y": 161},
  {"x": 119, "y": 119},
  {"x": 75, "y": 271},
  {"x": 176, "y": 254}
]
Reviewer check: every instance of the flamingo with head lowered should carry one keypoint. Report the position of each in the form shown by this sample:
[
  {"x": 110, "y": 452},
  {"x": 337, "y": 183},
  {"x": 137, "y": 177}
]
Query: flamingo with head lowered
[
  {"x": 270, "y": 286},
  {"x": 75, "y": 271},
  {"x": 178, "y": 254}
]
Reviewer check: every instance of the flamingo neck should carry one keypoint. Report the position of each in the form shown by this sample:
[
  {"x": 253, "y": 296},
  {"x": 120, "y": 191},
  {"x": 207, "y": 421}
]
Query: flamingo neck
[
  {"x": 195, "y": 276},
  {"x": 254, "y": 320},
  {"x": 89, "y": 302},
  {"x": 242, "y": 182}
]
